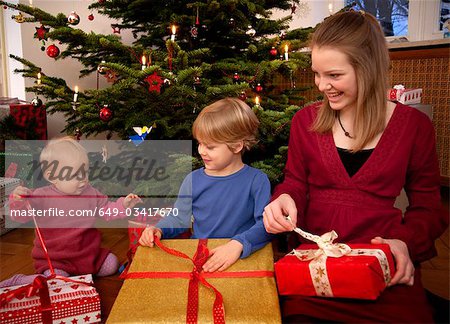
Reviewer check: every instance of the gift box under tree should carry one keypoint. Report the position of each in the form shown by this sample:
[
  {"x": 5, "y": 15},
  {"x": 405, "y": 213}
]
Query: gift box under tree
[
  {"x": 7, "y": 185},
  {"x": 360, "y": 271},
  {"x": 165, "y": 288},
  {"x": 69, "y": 300}
]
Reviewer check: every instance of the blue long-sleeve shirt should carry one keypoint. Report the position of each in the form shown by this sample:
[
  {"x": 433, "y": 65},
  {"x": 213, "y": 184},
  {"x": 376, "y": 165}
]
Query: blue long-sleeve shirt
[{"x": 222, "y": 207}]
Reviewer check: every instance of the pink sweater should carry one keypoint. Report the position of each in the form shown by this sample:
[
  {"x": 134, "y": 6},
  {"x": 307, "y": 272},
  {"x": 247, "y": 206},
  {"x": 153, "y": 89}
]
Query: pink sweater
[{"x": 73, "y": 243}]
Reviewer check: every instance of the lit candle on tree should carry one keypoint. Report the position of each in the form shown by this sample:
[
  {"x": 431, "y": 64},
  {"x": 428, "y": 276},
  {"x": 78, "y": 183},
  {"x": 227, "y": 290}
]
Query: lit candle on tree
[
  {"x": 257, "y": 100},
  {"x": 286, "y": 50},
  {"x": 174, "y": 30},
  {"x": 143, "y": 61},
  {"x": 39, "y": 78},
  {"x": 75, "y": 95}
]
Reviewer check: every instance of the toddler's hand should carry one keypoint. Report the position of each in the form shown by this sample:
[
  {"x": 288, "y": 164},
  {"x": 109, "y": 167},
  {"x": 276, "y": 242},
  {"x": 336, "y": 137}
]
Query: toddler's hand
[
  {"x": 19, "y": 193},
  {"x": 223, "y": 256},
  {"x": 131, "y": 200},
  {"x": 148, "y": 236}
]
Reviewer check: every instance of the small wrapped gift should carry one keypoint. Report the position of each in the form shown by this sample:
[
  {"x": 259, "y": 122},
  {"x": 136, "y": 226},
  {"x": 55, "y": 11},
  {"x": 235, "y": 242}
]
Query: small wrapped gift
[
  {"x": 359, "y": 271},
  {"x": 7, "y": 185},
  {"x": 405, "y": 96},
  {"x": 165, "y": 284},
  {"x": 56, "y": 300},
  {"x": 32, "y": 119}
]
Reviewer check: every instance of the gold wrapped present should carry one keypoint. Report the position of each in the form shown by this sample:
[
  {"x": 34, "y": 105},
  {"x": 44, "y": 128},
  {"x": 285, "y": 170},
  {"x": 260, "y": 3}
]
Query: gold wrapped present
[{"x": 160, "y": 287}]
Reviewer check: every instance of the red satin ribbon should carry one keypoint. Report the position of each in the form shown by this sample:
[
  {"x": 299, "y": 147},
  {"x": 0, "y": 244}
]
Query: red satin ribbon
[
  {"x": 195, "y": 277},
  {"x": 39, "y": 284}
]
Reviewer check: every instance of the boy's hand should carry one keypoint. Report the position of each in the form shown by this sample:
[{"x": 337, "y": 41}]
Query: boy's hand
[
  {"x": 131, "y": 200},
  {"x": 148, "y": 236},
  {"x": 223, "y": 256},
  {"x": 19, "y": 193}
]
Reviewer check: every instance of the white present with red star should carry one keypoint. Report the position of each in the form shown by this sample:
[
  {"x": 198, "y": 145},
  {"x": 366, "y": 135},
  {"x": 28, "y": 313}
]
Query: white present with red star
[{"x": 59, "y": 300}]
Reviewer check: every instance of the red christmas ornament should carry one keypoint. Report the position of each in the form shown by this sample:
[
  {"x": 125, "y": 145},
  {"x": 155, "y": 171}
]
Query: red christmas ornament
[
  {"x": 155, "y": 82},
  {"x": 243, "y": 96},
  {"x": 41, "y": 32},
  {"x": 258, "y": 88},
  {"x": 105, "y": 113},
  {"x": 236, "y": 77},
  {"x": 53, "y": 51},
  {"x": 273, "y": 52},
  {"x": 91, "y": 17}
]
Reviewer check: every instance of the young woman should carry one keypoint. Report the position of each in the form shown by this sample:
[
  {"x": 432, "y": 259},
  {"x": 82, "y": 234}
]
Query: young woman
[{"x": 349, "y": 157}]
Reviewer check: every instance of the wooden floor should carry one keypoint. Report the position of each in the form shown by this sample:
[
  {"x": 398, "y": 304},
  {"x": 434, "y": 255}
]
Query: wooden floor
[{"x": 15, "y": 248}]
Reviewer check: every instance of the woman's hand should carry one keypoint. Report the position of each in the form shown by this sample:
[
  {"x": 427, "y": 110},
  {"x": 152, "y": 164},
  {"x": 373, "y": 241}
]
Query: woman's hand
[
  {"x": 223, "y": 256},
  {"x": 148, "y": 236},
  {"x": 404, "y": 272},
  {"x": 274, "y": 216}
]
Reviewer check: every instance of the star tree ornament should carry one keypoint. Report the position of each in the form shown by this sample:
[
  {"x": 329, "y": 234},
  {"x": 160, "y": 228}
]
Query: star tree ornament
[
  {"x": 105, "y": 113},
  {"x": 41, "y": 32},
  {"x": 73, "y": 18},
  {"x": 154, "y": 82}
]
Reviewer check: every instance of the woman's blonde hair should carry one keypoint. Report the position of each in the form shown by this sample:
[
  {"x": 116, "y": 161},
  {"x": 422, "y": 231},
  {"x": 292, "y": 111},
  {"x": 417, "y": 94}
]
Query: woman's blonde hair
[
  {"x": 359, "y": 36},
  {"x": 227, "y": 121}
]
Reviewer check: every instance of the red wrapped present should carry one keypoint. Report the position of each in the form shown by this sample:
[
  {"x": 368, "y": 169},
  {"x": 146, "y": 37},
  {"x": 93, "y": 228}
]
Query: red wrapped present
[
  {"x": 405, "y": 96},
  {"x": 57, "y": 300},
  {"x": 28, "y": 116},
  {"x": 359, "y": 271}
]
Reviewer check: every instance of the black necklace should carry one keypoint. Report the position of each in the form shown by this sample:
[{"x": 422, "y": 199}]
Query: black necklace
[{"x": 340, "y": 123}]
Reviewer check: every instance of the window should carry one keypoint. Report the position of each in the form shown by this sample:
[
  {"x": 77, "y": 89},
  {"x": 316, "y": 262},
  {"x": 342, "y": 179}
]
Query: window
[
  {"x": 392, "y": 14},
  {"x": 416, "y": 20},
  {"x": 445, "y": 14}
]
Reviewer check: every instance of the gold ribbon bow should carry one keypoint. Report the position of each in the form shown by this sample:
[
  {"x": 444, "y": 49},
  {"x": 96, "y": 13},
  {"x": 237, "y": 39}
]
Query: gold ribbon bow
[{"x": 325, "y": 243}]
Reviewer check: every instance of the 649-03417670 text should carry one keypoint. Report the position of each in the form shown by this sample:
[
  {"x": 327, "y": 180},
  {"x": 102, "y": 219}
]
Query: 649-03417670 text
[{"x": 138, "y": 213}]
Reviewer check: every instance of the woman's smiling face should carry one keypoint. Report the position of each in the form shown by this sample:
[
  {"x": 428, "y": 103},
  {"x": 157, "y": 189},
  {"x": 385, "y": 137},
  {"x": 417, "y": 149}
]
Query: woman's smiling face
[{"x": 335, "y": 77}]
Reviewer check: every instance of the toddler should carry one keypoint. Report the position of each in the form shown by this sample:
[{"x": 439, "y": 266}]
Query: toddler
[{"x": 73, "y": 243}]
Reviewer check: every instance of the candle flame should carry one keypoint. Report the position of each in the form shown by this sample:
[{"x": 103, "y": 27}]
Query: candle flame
[
  {"x": 76, "y": 89},
  {"x": 174, "y": 29},
  {"x": 257, "y": 100},
  {"x": 286, "y": 48},
  {"x": 143, "y": 60}
]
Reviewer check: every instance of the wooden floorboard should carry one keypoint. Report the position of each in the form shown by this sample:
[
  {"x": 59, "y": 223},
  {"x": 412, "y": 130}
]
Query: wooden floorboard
[{"x": 15, "y": 255}]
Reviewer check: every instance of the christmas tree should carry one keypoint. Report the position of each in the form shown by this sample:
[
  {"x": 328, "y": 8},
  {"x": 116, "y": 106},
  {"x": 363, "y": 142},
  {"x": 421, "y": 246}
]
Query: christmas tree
[{"x": 185, "y": 55}]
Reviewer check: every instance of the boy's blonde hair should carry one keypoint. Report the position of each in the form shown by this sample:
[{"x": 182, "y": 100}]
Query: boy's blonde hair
[
  {"x": 359, "y": 36},
  {"x": 227, "y": 121}
]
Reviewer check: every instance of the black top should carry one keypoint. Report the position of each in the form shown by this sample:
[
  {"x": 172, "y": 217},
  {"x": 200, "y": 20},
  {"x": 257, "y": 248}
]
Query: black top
[{"x": 353, "y": 161}]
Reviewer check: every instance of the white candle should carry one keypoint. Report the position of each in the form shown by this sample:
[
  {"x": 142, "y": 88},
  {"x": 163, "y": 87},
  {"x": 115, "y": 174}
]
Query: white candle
[
  {"x": 75, "y": 95},
  {"x": 143, "y": 61},
  {"x": 174, "y": 30},
  {"x": 286, "y": 55},
  {"x": 39, "y": 78},
  {"x": 257, "y": 100}
]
